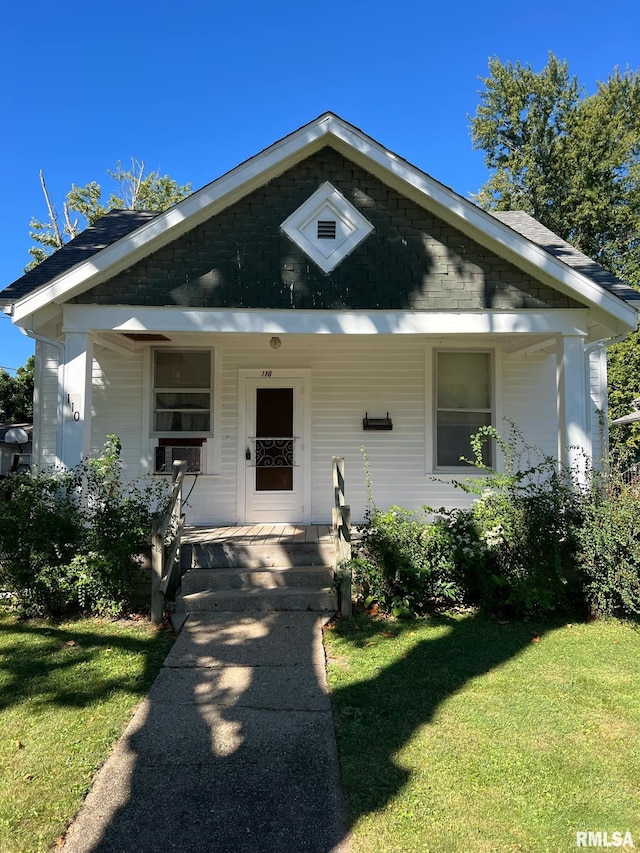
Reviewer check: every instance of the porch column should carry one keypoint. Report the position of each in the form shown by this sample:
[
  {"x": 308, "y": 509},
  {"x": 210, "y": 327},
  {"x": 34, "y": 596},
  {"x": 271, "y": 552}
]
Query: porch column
[
  {"x": 574, "y": 437},
  {"x": 77, "y": 382}
]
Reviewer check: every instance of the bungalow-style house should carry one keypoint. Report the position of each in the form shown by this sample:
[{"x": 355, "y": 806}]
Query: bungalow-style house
[{"x": 321, "y": 297}]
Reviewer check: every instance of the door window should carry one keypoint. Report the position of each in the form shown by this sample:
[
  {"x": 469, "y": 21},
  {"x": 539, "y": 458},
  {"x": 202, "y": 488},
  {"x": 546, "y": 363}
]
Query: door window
[{"x": 274, "y": 447}]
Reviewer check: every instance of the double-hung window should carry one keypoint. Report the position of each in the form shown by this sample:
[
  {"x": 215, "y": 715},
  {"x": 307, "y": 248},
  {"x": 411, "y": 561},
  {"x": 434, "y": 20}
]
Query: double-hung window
[
  {"x": 182, "y": 392},
  {"x": 464, "y": 402}
]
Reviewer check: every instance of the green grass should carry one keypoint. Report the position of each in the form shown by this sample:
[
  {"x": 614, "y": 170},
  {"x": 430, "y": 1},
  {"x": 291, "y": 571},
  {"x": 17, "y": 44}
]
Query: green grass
[
  {"x": 66, "y": 692},
  {"x": 466, "y": 734}
]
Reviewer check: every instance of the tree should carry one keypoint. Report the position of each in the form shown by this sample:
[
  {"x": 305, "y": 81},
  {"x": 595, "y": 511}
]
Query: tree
[
  {"x": 85, "y": 205},
  {"x": 572, "y": 161},
  {"x": 16, "y": 394}
]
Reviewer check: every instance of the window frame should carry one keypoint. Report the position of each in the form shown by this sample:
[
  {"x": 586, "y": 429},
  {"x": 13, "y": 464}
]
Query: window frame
[
  {"x": 204, "y": 433},
  {"x": 435, "y": 409}
]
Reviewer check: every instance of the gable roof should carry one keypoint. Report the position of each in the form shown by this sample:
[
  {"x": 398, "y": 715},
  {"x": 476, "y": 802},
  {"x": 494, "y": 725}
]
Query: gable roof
[
  {"x": 106, "y": 230},
  {"x": 79, "y": 272},
  {"x": 533, "y": 230}
]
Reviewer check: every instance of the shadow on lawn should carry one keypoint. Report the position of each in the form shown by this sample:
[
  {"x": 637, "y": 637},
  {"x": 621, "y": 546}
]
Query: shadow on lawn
[
  {"x": 233, "y": 749},
  {"x": 377, "y": 717},
  {"x": 52, "y": 664}
]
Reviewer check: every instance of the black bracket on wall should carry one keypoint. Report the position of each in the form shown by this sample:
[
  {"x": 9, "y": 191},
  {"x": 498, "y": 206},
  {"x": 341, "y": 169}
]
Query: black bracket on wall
[{"x": 376, "y": 423}]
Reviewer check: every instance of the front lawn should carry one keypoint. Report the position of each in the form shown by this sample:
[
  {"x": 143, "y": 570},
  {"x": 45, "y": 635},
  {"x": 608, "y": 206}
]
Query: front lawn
[
  {"x": 465, "y": 733},
  {"x": 67, "y": 690}
]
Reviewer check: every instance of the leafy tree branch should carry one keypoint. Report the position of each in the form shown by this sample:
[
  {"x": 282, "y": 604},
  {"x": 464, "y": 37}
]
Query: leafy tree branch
[{"x": 84, "y": 205}]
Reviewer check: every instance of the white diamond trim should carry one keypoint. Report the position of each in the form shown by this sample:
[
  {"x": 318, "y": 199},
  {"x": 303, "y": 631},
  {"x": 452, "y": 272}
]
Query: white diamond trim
[{"x": 327, "y": 203}]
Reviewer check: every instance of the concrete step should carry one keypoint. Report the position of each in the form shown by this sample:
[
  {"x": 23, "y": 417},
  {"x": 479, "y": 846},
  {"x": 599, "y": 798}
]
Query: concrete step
[
  {"x": 235, "y": 554},
  {"x": 199, "y": 580},
  {"x": 237, "y": 601}
]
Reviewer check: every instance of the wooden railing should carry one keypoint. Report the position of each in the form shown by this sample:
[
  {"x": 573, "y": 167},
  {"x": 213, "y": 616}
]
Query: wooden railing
[
  {"x": 341, "y": 518},
  {"x": 165, "y": 544}
]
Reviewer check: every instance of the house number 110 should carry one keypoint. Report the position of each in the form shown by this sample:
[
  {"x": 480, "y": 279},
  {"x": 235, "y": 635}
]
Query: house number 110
[{"x": 266, "y": 374}]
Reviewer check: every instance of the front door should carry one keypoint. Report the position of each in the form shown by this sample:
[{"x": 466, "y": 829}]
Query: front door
[{"x": 274, "y": 449}]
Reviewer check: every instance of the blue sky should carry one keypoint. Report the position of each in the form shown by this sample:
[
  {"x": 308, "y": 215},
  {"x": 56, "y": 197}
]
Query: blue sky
[{"x": 193, "y": 88}]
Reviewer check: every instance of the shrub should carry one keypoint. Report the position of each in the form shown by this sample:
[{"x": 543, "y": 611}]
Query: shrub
[
  {"x": 407, "y": 564},
  {"x": 525, "y": 517},
  {"x": 72, "y": 539},
  {"x": 513, "y": 550},
  {"x": 118, "y": 519},
  {"x": 41, "y": 529},
  {"x": 609, "y": 545}
]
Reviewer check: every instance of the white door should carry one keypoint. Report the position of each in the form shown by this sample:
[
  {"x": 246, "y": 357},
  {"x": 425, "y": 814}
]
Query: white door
[{"x": 274, "y": 448}]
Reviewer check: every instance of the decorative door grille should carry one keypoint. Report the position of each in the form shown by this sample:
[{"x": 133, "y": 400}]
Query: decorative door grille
[{"x": 273, "y": 452}]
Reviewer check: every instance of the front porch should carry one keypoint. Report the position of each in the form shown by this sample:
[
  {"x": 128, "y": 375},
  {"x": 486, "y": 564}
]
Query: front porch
[{"x": 259, "y": 534}]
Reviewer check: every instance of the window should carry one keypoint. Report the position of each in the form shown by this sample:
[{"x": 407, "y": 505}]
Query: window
[
  {"x": 463, "y": 405},
  {"x": 182, "y": 391}
]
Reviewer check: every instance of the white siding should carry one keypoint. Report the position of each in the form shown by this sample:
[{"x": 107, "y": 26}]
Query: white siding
[
  {"x": 350, "y": 376},
  {"x": 117, "y": 405},
  {"x": 46, "y": 407},
  {"x": 529, "y": 400},
  {"x": 597, "y": 401}
]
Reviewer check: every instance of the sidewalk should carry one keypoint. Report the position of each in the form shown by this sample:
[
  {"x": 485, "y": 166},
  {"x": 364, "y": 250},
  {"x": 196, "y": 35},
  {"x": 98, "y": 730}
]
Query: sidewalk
[{"x": 233, "y": 750}]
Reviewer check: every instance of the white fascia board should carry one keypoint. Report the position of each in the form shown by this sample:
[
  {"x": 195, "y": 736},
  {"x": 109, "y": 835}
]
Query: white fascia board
[
  {"x": 173, "y": 320},
  {"x": 361, "y": 148}
]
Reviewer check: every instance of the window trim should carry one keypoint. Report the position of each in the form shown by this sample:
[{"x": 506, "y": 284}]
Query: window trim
[{"x": 432, "y": 420}]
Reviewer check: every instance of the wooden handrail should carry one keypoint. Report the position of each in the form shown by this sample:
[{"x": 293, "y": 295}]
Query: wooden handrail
[
  {"x": 341, "y": 518},
  {"x": 166, "y": 536}
]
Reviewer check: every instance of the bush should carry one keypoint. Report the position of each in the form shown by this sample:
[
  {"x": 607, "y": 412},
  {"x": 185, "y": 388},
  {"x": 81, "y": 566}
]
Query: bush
[
  {"x": 118, "y": 520},
  {"x": 531, "y": 543},
  {"x": 525, "y": 518},
  {"x": 407, "y": 564},
  {"x": 41, "y": 530},
  {"x": 72, "y": 539},
  {"x": 609, "y": 545}
]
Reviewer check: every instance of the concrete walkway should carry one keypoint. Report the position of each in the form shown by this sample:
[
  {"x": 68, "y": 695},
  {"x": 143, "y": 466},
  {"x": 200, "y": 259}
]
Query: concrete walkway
[{"x": 233, "y": 750}]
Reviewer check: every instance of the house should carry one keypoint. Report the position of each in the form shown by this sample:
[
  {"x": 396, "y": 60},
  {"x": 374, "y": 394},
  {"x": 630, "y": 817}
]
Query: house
[{"x": 321, "y": 297}]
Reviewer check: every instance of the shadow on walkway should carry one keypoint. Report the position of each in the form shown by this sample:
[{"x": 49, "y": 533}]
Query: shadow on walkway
[{"x": 234, "y": 749}]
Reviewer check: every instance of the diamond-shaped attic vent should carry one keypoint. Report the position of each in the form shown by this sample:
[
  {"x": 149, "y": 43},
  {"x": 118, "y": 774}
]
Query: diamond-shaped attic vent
[{"x": 327, "y": 227}]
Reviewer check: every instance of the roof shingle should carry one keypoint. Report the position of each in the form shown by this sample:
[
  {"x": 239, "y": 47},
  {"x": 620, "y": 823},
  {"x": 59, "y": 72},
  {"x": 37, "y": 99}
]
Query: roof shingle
[
  {"x": 109, "y": 228},
  {"x": 530, "y": 228}
]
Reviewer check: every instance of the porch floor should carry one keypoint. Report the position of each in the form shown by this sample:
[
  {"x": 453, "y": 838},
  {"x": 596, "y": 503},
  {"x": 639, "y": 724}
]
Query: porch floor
[{"x": 260, "y": 534}]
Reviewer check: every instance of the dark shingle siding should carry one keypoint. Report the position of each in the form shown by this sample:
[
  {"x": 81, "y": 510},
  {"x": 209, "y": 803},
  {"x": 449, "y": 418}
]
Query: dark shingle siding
[{"x": 241, "y": 259}]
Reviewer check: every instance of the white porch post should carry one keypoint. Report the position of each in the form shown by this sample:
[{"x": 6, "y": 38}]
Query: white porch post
[
  {"x": 77, "y": 381},
  {"x": 574, "y": 436}
]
